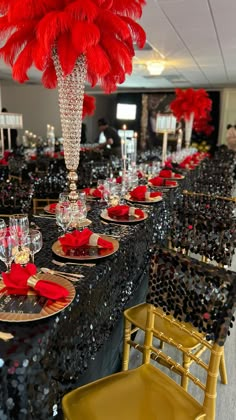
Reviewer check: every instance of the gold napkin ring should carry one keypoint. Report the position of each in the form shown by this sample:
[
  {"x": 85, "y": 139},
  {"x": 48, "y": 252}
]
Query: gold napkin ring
[
  {"x": 93, "y": 240},
  {"x": 32, "y": 281}
]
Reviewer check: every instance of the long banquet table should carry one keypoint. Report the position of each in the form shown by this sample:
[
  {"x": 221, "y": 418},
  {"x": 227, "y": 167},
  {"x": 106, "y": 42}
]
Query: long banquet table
[{"x": 47, "y": 358}]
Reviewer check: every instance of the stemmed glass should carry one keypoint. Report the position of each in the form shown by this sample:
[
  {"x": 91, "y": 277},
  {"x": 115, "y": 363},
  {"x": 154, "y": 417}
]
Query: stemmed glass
[
  {"x": 19, "y": 227},
  {"x": 3, "y": 229},
  {"x": 64, "y": 216},
  {"x": 8, "y": 250},
  {"x": 35, "y": 242}
]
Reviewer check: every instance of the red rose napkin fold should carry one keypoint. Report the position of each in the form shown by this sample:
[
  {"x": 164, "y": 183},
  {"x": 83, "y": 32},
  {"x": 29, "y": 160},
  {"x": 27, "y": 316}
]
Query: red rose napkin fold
[
  {"x": 86, "y": 237},
  {"x": 124, "y": 210},
  {"x": 169, "y": 174},
  {"x": 52, "y": 207},
  {"x": 19, "y": 280},
  {"x": 93, "y": 192},
  {"x": 162, "y": 182},
  {"x": 119, "y": 180},
  {"x": 141, "y": 193}
]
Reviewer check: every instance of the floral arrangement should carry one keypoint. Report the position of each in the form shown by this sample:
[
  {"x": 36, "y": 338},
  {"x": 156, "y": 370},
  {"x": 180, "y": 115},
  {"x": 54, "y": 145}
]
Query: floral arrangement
[
  {"x": 103, "y": 31},
  {"x": 203, "y": 125},
  {"x": 189, "y": 102}
]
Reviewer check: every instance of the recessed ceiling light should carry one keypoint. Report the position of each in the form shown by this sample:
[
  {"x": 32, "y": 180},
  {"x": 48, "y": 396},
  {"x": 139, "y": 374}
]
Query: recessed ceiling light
[{"x": 155, "y": 67}]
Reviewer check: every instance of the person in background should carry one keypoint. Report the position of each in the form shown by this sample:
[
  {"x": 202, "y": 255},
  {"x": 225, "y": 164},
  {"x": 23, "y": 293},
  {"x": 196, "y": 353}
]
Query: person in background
[
  {"x": 113, "y": 140},
  {"x": 231, "y": 137},
  {"x": 83, "y": 134},
  {"x": 13, "y": 136}
]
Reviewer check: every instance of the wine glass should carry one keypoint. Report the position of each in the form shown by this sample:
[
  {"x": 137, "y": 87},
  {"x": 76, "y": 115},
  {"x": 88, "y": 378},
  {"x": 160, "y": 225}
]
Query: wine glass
[
  {"x": 35, "y": 242},
  {"x": 3, "y": 229},
  {"x": 19, "y": 227},
  {"x": 8, "y": 250},
  {"x": 64, "y": 216}
]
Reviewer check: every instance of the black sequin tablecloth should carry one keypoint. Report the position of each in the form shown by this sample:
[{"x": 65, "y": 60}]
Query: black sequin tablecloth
[{"x": 46, "y": 359}]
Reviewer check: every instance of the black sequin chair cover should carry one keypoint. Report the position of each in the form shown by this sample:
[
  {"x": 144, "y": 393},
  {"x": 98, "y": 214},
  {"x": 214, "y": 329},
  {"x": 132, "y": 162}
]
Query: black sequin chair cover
[{"x": 193, "y": 292}]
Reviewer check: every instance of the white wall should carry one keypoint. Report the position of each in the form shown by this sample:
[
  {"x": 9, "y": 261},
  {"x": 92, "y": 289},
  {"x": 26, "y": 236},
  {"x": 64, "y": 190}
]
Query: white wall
[
  {"x": 227, "y": 112},
  {"x": 39, "y": 107}
]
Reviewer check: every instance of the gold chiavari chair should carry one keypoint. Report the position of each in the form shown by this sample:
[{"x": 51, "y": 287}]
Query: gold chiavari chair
[
  {"x": 147, "y": 392},
  {"x": 135, "y": 317},
  {"x": 41, "y": 203}
]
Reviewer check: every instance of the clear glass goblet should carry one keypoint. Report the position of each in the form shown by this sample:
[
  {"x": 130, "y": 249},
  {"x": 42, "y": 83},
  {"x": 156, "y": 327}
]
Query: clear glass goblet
[
  {"x": 8, "y": 250},
  {"x": 34, "y": 242},
  {"x": 3, "y": 228},
  {"x": 64, "y": 216},
  {"x": 19, "y": 227}
]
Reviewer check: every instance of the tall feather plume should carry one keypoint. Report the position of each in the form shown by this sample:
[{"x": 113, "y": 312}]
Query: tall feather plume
[
  {"x": 23, "y": 62},
  {"x": 6, "y": 29},
  {"x": 98, "y": 61},
  {"x": 137, "y": 32},
  {"x": 66, "y": 52},
  {"x": 4, "y": 5},
  {"x": 83, "y": 10},
  {"x": 32, "y": 9},
  {"x": 132, "y": 8},
  {"x": 103, "y": 30},
  {"x": 51, "y": 27},
  {"x": 117, "y": 51},
  {"x": 88, "y": 105},
  {"x": 16, "y": 42},
  {"x": 49, "y": 78},
  {"x": 113, "y": 24},
  {"x": 84, "y": 35}
]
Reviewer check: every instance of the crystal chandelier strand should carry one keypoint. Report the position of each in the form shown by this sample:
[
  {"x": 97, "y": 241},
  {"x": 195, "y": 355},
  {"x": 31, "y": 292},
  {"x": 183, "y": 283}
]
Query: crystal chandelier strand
[{"x": 71, "y": 96}]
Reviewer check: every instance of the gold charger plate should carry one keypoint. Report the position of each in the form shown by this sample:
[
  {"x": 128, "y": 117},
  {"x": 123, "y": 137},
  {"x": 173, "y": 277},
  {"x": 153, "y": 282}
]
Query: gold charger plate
[
  {"x": 127, "y": 220},
  {"x": 163, "y": 187},
  {"x": 87, "y": 252},
  {"x": 151, "y": 201},
  {"x": 20, "y": 308},
  {"x": 47, "y": 209},
  {"x": 175, "y": 179}
]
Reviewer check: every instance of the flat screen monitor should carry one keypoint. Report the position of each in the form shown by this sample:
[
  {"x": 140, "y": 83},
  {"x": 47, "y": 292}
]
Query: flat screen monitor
[{"x": 126, "y": 111}]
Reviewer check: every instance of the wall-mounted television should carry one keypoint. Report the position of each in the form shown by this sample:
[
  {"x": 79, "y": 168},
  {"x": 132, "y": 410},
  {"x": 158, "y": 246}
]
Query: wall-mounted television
[{"x": 126, "y": 111}]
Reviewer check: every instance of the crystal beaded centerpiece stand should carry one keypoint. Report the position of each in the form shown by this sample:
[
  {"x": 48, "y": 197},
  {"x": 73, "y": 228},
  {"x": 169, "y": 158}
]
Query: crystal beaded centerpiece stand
[
  {"x": 188, "y": 129},
  {"x": 71, "y": 96}
]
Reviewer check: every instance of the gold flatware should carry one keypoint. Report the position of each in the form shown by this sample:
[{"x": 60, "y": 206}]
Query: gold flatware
[
  {"x": 48, "y": 270},
  {"x": 5, "y": 336},
  {"x": 61, "y": 264},
  {"x": 64, "y": 276},
  {"x": 110, "y": 235}
]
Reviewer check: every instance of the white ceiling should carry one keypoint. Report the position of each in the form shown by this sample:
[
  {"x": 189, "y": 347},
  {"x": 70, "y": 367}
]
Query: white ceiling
[{"x": 196, "y": 39}]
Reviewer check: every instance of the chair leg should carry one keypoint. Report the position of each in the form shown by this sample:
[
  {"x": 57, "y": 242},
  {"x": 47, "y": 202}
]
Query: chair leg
[
  {"x": 222, "y": 369},
  {"x": 186, "y": 364},
  {"x": 126, "y": 346}
]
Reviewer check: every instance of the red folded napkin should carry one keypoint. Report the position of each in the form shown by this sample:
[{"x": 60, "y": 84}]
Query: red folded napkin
[
  {"x": 93, "y": 192},
  {"x": 52, "y": 207},
  {"x": 169, "y": 174},
  {"x": 141, "y": 193},
  {"x": 184, "y": 165},
  {"x": 19, "y": 280},
  {"x": 162, "y": 182},
  {"x": 86, "y": 237},
  {"x": 124, "y": 210},
  {"x": 119, "y": 180}
]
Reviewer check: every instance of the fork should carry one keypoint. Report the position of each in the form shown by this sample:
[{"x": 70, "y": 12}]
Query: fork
[
  {"x": 48, "y": 270},
  {"x": 62, "y": 264}
]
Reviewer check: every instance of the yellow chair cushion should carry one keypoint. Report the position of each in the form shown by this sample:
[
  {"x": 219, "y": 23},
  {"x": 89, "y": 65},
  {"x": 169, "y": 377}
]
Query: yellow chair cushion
[
  {"x": 144, "y": 393},
  {"x": 138, "y": 315}
]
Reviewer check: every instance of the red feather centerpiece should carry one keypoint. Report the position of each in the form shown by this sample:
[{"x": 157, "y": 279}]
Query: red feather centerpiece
[
  {"x": 71, "y": 41},
  {"x": 190, "y": 104}
]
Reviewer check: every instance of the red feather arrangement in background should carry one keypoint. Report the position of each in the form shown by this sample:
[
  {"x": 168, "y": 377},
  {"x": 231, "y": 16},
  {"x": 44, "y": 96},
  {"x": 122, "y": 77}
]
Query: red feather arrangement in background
[
  {"x": 103, "y": 30},
  {"x": 191, "y": 101}
]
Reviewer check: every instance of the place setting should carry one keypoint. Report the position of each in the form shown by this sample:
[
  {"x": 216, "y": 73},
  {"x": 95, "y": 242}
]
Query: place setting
[
  {"x": 26, "y": 292},
  {"x": 142, "y": 195},
  {"x": 123, "y": 214},
  {"x": 162, "y": 183}
]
